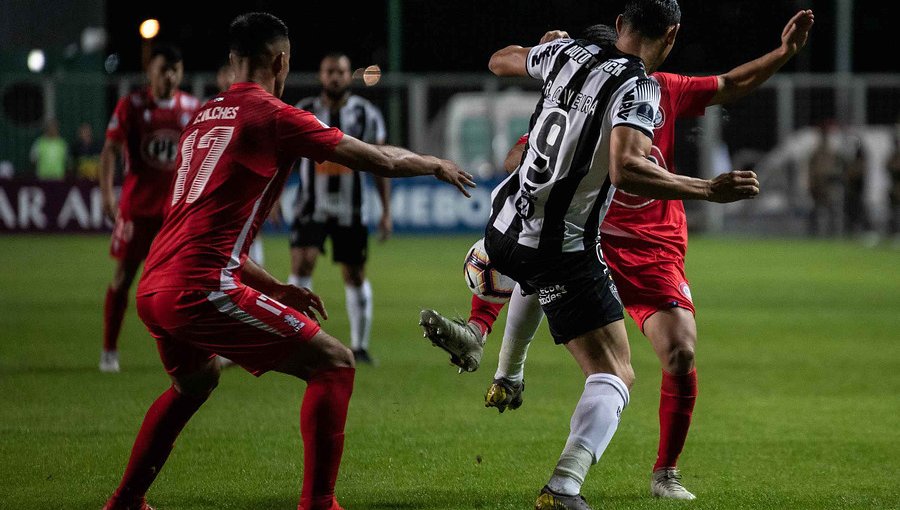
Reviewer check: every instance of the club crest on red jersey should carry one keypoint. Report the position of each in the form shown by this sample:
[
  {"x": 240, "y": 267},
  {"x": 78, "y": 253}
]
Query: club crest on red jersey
[
  {"x": 660, "y": 118},
  {"x": 160, "y": 148}
]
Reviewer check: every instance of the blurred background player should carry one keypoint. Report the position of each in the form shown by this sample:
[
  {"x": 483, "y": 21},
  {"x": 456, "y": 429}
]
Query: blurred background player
[
  {"x": 653, "y": 288},
  {"x": 144, "y": 131},
  {"x": 201, "y": 296},
  {"x": 331, "y": 200}
]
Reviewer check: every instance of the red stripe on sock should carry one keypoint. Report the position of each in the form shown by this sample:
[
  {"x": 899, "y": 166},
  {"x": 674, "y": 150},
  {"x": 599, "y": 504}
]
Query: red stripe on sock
[
  {"x": 322, "y": 418},
  {"x": 484, "y": 314},
  {"x": 678, "y": 393}
]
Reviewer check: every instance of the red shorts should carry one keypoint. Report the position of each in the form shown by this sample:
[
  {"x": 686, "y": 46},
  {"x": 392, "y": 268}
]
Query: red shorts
[
  {"x": 243, "y": 325},
  {"x": 649, "y": 277},
  {"x": 131, "y": 237}
]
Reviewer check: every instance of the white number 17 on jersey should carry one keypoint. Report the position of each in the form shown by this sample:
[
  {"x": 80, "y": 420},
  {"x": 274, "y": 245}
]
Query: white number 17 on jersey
[{"x": 216, "y": 139}]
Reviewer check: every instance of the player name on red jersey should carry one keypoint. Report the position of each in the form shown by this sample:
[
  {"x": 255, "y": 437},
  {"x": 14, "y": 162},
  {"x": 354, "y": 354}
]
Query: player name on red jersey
[{"x": 217, "y": 113}]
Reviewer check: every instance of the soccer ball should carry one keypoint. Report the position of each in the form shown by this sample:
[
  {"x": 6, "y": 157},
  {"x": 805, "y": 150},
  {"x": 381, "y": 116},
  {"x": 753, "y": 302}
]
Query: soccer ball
[{"x": 483, "y": 280}]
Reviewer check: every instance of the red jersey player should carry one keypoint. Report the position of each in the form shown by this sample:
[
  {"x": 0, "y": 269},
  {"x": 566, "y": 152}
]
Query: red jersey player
[
  {"x": 644, "y": 242},
  {"x": 201, "y": 296},
  {"x": 144, "y": 128}
]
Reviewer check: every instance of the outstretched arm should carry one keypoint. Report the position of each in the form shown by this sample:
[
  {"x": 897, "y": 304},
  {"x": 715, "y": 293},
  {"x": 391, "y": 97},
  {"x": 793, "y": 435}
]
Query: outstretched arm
[
  {"x": 743, "y": 79},
  {"x": 630, "y": 170},
  {"x": 512, "y": 60},
  {"x": 390, "y": 161}
]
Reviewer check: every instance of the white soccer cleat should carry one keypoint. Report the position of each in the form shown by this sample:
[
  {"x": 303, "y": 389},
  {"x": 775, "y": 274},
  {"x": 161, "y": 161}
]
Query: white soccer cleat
[
  {"x": 109, "y": 362},
  {"x": 666, "y": 483},
  {"x": 462, "y": 340}
]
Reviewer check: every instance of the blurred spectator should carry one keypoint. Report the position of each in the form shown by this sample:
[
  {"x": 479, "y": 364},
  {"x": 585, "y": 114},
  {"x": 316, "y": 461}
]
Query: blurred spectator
[
  {"x": 893, "y": 167},
  {"x": 86, "y": 154},
  {"x": 49, "y": 153},
  {"x": 825, "y": 169},
  {"x": 856, "y": 219}
]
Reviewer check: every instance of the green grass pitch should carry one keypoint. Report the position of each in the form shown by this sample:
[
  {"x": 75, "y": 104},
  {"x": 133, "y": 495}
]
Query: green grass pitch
[{"x": 799, "y": 407}]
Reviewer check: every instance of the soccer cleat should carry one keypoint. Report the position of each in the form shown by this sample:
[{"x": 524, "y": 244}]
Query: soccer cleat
[
  {"x": 504, "y": 394},
  {"x": 549, "y": 500},
  {"x": 666, "y": 483},
  {"x": 109, "y": 362},
  {"x": 462, "y": 340},
  {"x": 112, "y": 504},
  {"x": 363, "y": 356},
  {"x": 334, "y": 505}
]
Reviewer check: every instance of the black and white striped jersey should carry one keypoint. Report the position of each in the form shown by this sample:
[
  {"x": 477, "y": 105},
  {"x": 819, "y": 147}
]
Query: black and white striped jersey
[
  {"x": 556, "y": 199},
  {"x": 329, "y": 191}
]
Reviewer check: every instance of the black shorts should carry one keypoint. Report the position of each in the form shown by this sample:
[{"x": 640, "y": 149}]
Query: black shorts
[
  {"x": 350, "y": 245},
  {"x": 575, "y": 289}
]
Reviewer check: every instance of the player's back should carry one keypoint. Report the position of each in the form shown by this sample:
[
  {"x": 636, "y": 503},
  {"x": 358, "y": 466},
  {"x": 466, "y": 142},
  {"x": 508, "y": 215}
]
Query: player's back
[
  {"x": 230, "y": 172},
  {"x": 555, "y": 199}
]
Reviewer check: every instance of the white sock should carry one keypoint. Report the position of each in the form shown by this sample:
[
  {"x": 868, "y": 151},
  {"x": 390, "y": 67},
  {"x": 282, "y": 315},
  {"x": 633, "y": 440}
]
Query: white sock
[
  {"x": 300, "y": 281},
  {"x": 256, "y": 252},
  {"x": 522, "y": 320},
  {"x": 593, "y": 424},
  {"x": 359, "y": 309}
]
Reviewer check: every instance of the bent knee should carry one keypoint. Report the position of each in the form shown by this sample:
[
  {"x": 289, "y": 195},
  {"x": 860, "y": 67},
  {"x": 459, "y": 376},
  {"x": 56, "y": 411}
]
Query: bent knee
[
  {"x": 681, "y": 358},
  {"x": 198, "y": 385},
  {"x": 339, "y": 356}
]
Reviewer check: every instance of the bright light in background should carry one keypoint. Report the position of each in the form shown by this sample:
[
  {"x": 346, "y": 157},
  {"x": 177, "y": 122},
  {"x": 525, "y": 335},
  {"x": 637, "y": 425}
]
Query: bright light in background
[
  {"x": 36, "y": 60},
  {"x": 93, "y": 39},
  {"x": 149, "y": 28}
]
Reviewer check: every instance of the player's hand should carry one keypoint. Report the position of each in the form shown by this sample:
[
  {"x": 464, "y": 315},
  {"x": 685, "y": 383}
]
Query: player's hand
[
  {"x": 733, "y": 186},
  {"x": 110, "y": 208},
  {"x": 796, "y": 32},
  {"x": 447, "y": 171},
  {"x": 554, "y": 35},
  {"x": 385, "y": 228},
  {"x": 303, "y": 300}
]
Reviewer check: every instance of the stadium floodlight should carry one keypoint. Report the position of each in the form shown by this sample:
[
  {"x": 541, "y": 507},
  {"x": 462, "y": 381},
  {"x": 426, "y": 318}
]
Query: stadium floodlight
[
  {"x": 36, "y": 60},
  {"x": 149, "y": 28}
]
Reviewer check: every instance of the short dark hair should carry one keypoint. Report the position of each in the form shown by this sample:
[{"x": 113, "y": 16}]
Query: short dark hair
[
  {"x": 652, "y": 17},
  {"x": 335, "y": 55},
  {"x": 250, "y": 33},
  {"x": 601, "y": 35},
  {"x": 169, "y": 52}
]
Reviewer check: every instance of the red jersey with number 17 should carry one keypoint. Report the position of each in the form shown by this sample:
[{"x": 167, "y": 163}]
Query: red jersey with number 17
[
  {"x": 234, "y": 158},
  {"x": 661, "y": 221},
  {"x": 149, "y": 128}
]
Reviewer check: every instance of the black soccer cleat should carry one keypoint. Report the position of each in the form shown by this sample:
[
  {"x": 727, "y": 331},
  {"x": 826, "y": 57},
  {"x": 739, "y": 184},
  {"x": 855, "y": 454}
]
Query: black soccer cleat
[
  {"x": 549, "y": 500},
  {"x": 504, "y": 394}
]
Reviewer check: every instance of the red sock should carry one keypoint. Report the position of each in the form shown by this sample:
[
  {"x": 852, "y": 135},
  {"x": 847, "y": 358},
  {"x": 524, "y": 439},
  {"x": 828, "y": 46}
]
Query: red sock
[
  {"x": 113, "y": 313},
  {"x": 162, "y": 424},
  {"x": 484, "y": 314},
  {"x": 322, "y": 418},
  {"x": 676, "y": 405}
]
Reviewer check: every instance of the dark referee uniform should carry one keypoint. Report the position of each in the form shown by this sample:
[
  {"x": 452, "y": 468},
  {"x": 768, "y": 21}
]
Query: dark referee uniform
[
  {"x": 545, "y": 218},
  {"x": 331, "y": 200}
]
